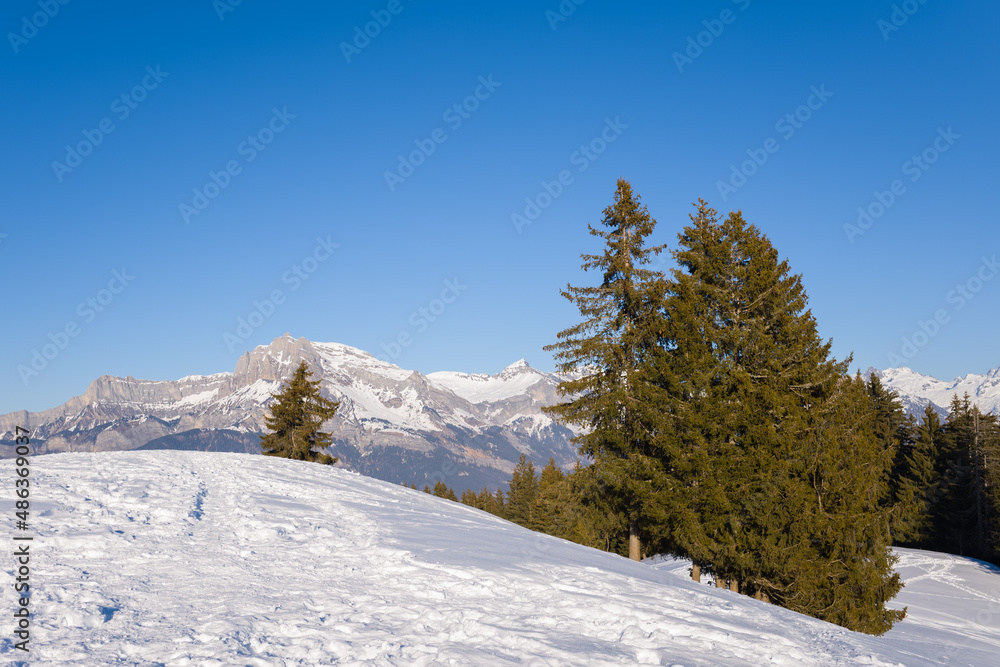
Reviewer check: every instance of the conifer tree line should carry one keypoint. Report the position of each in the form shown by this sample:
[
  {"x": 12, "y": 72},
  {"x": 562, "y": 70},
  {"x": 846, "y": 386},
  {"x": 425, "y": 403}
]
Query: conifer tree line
[
  {"x": 551, "y": 501},
  {"x": 945, "y": 479}
]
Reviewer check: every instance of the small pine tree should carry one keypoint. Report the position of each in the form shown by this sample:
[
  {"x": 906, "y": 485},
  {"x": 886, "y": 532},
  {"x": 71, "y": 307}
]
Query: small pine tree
[
  {"x": 297, "y": 415},
  {"x": 523, "y": 493},
  {"x": 499, "y": 504},
  {"x": 548, "y": 508}
]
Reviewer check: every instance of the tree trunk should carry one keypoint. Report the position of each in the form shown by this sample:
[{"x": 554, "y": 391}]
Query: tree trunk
[
  {"x": 719, "y": 582},
  {"x": 633, "y": 540},
  {"x": 734, "y": 585},
  {"x": 696, "y": 572}
]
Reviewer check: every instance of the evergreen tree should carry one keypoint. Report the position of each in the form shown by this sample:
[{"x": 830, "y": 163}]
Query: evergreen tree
[
  {"x": 610, "y": 345},
  {"x": 892, "y": 427},
  {"x": 442, "y": 490},
  {"x": 966, "y": 508},
  {"x": 991, "y": 481},
  {"x": 920, "y": 486},
  {"x": 523, "y": 493},
  {"x": 548, "y": 516},
  {"x": 297, "y": 415},
  {"x": 499, "y": 504},
  {"x": 773, "y": 477}
]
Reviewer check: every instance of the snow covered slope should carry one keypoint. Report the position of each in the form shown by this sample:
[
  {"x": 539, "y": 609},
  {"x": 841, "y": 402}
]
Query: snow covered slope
[
  {"x": 916, "y": 390},
  {"x": 191, "y": 558}
]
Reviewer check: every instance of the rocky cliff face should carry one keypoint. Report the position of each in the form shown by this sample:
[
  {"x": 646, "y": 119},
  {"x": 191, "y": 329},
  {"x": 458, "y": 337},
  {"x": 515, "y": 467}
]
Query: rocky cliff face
[{"x": 399, "y": 425}]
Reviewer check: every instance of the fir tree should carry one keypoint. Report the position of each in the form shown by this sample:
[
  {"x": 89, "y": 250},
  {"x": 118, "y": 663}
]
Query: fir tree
[
  {"x": 774, "y": 480},
  {"x": 523, "y": 493},
  {"x": 610, "y": 345},
  {"x": 499, "y": 504},
  {"x": 920, "y": 485},
  {"x": 298, "y": 412},
  {"x": 966, "y": 508},
  {"x": 549, "y": 501},
  {"x": 891, "y": 426}
]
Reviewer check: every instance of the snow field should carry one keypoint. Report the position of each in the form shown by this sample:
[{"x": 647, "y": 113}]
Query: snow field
[{"x": 192, "y": 558}]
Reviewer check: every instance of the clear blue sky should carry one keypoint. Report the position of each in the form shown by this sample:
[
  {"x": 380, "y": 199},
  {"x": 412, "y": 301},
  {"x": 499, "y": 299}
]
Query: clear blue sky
[{"x": 309, "y": 128}]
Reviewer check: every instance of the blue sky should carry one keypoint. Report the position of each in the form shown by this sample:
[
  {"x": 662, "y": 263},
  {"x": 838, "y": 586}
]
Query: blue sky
[{"x": 227, "y": 160}]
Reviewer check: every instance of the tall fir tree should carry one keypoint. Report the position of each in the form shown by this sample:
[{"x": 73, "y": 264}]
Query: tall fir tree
[
  {"x": 610, "y": 346},
  {"x": 920, "y": 486},
  {"x": 773, "y": 471},
  {"x": 297, "y": 414}
]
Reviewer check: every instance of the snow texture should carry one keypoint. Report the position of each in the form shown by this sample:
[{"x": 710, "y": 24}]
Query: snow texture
[
  {"x": 192, "y": 558},
  {"x": 983, "y": 390},
  {"x": 482, "y": 388}
]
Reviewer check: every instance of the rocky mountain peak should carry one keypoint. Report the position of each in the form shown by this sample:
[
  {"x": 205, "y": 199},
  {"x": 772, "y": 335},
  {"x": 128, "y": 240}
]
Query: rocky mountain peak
[
  {"x": 277, "y": 360},
  {"x": 519, "y": 367}
]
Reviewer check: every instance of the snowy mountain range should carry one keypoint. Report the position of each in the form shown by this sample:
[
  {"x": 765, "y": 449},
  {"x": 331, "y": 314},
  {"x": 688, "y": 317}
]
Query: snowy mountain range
[
  {"x": 916, "y": 390},
  {"x": 195, "y": 558},
  {"x": 395, "y": 424},
  {"x": 467, "y": 430}
]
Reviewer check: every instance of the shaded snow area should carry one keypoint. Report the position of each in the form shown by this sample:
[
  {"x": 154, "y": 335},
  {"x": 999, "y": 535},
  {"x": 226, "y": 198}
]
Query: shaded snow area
[
  {"x": 953, "y": 608},
  {"x": 195, "y": 558}
]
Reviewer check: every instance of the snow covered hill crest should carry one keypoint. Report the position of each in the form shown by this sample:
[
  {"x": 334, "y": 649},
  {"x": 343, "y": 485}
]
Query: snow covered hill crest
[
  {"x": 916, "y": 391},
  {"x": 393, "y": 423},
  {"x": 197, "y": 558}
]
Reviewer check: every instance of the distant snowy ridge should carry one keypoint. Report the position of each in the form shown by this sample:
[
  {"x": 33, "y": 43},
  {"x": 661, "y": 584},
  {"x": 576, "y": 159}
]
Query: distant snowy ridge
[
  {"x": 468, "y": 429},
  {"x": 917, "y": 390},
  {"x": 193, "y": 558}
]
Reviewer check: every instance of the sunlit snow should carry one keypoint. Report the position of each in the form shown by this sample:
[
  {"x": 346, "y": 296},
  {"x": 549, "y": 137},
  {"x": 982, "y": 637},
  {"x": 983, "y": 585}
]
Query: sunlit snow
[{"x": 192, "y": 558}]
